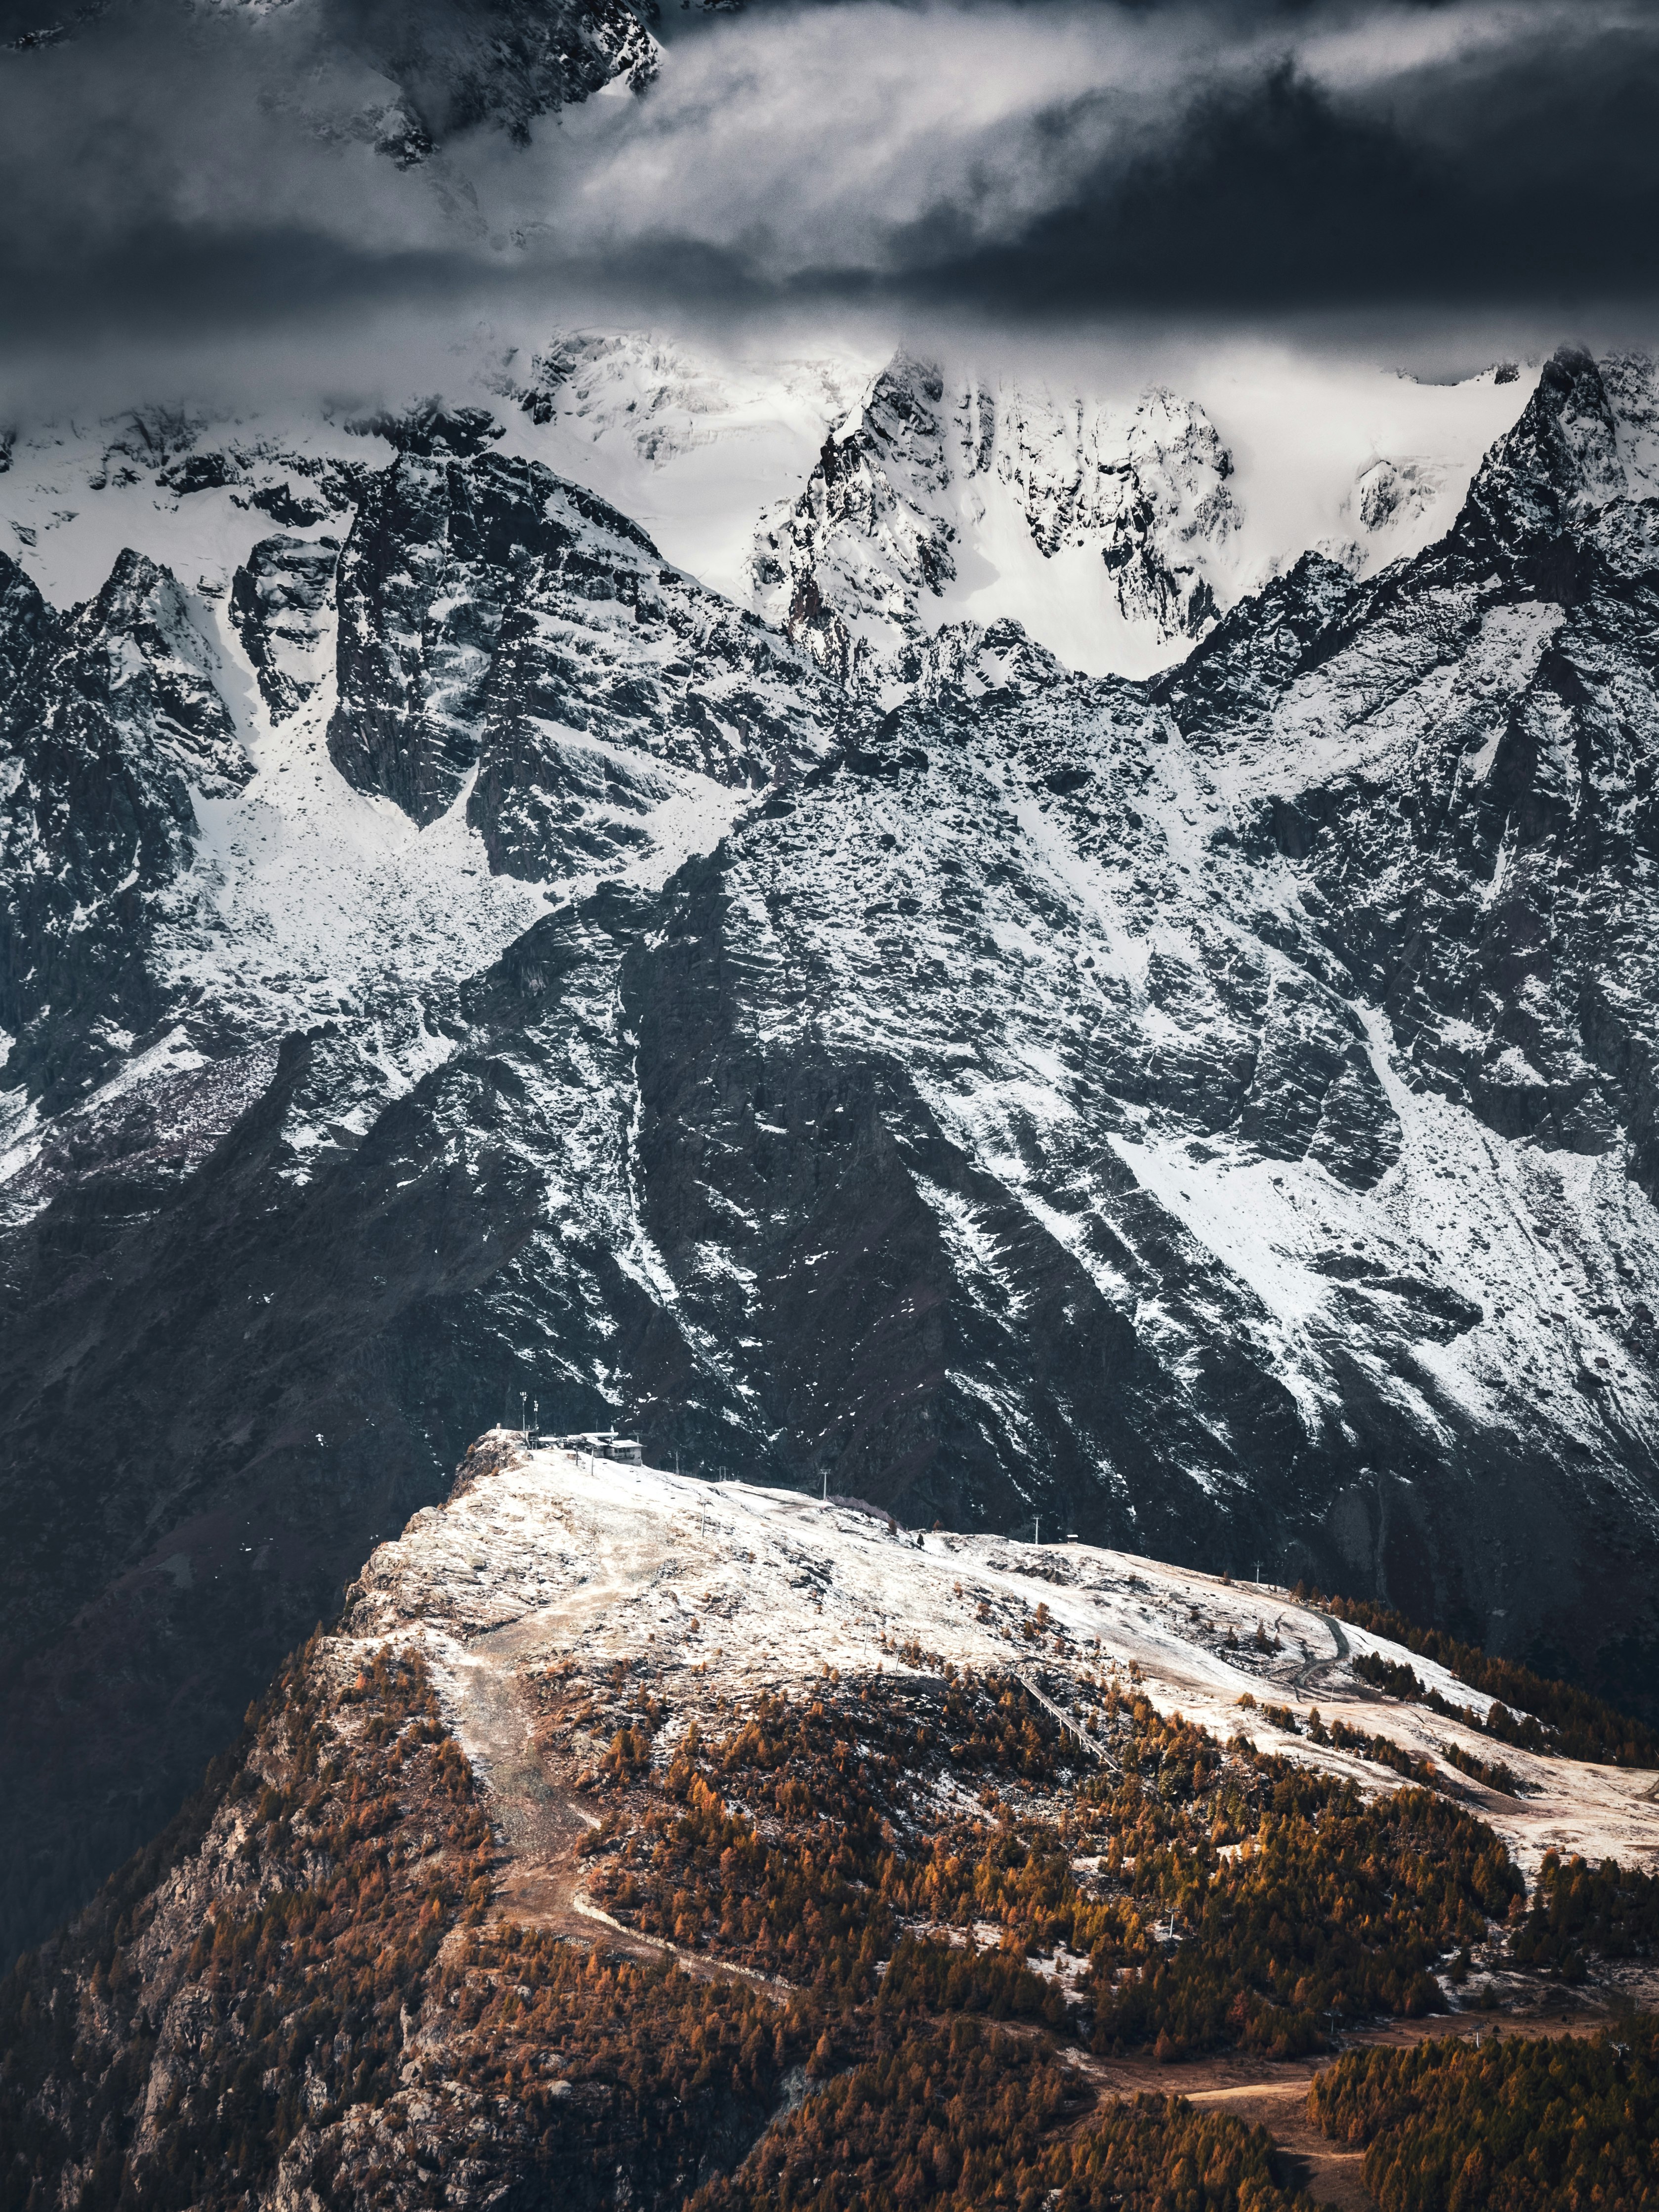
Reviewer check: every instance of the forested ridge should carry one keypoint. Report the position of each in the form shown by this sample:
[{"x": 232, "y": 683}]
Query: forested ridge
[
  {"x": 1575, "y": 1724},
  {"x": 1517, "y": 2125},
  {"x": 905, "y": 1912},
  {"x": 1236, "y": 1899}
]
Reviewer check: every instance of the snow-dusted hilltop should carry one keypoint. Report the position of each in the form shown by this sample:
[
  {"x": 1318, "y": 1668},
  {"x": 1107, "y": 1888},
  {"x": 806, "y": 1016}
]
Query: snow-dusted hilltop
[
  {"x": 722, "y": 1593},
  {"x": 449, "y": 950},
  {"x": 623, "y": 1820}
]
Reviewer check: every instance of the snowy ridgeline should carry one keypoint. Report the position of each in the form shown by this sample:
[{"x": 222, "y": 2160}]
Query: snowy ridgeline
[
  {"x": 726, "y": 1590},
  {"x": 899, "y": 496}
]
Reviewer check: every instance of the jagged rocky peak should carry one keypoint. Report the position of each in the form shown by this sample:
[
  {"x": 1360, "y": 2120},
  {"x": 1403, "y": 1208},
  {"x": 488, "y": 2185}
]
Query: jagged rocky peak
[
  {"x": 1387, "y": 493},
  {"x": 1148, "y": 489},
  {"x": 282, "y": 602},
  {"x": 845, "y": 569},
  {"x": 1607, "y": 416},
  {"x": 1581, "y": 461},
  {"x": 1500, "y": 908},
  {"x": 941, "y": 489},
  {"x": 159, "y": 673},
  {"x": 432, "y": 428},
  {"x": 661, "y": 397},
  {"x": 505, "y": 632},
  {"x": 594, "y": 374},
  {"x": 298, "y": 471},
  {"x": 664, "y": 399},
  {"x": 114, "y": 722}
]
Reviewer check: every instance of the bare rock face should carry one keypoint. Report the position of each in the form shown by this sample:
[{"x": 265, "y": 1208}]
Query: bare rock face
[
  {"x": 1217, "y": 1111},
  {"x": 112, "y": 716},
  {"x": 282, "y": 604}
]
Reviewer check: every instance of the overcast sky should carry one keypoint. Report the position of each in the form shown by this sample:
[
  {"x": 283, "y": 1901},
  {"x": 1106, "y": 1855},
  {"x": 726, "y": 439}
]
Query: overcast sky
[{"x": 198, "y": 173}]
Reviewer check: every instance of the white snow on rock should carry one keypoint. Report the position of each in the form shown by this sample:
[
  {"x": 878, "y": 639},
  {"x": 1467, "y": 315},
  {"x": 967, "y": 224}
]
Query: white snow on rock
[
  {"x": 690, "y": 444},
  {"x": 1112, "y": 522},
  {"x": 182, "y": 485},
  {"x": 950, "y": 498}
]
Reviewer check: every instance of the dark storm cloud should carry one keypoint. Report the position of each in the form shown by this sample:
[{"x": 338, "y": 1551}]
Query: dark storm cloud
[
  {"x": 1527, "y": 188},
  {"x": 191, "y": 168},
  {"x": 1264, "y": 159}
]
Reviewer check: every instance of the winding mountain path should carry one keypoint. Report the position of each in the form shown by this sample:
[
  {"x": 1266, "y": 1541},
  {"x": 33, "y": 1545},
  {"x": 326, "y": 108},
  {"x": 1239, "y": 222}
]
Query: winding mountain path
[{"x": 1313, "y": 1671}]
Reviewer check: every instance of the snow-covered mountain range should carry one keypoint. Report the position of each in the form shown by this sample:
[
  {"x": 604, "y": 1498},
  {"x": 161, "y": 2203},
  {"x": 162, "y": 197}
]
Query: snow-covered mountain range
[
  {"x": 454, "y": 944},
  {"x": 860, "y": 505}
]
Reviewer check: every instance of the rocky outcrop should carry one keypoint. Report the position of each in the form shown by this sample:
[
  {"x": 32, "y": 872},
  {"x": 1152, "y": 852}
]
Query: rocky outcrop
[
  {"x": 112, "y": 717},
  {"x": 503, "y": 628},
  {"x": 282, "y": 602}
]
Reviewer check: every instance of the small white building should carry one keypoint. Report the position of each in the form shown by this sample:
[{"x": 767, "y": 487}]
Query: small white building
[{"x": 602, "y": 1443}]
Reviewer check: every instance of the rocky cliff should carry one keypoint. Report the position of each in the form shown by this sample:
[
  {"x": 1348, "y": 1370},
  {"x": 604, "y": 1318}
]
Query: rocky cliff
[
  {"x": 472, "y": 958},
  {"x": 929, "y": 491}
]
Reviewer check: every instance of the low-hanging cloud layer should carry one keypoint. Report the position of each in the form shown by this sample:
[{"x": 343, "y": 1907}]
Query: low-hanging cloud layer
[{"x": 180, "y": 167}]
